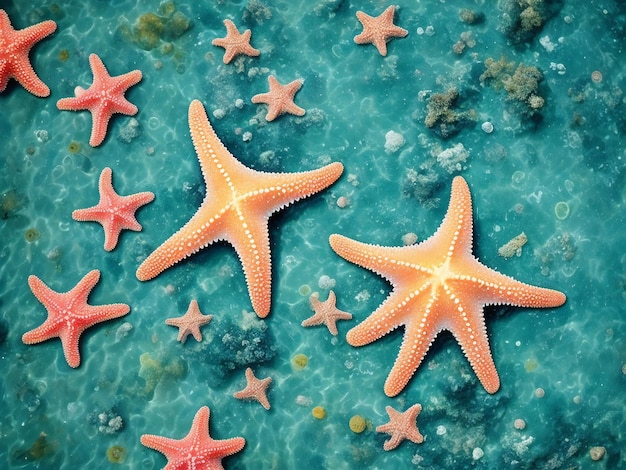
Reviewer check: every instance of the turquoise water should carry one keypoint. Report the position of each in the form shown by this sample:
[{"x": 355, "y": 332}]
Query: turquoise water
[{"x": 571, "y": 150}]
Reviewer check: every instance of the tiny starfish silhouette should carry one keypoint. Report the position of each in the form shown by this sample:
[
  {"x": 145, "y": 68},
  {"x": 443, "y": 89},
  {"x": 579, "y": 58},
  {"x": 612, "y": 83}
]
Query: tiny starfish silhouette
[
  {"x": 235, "y": 43},
  {"x": 14, "y": 48},
  {"x": 114, "y": 212},
  {"x": 326, "y": 313},
  {"x": 103, "y": 98},
  {"x": 69, "y": 314},
  {"x": 401, "y": 426},
  {"x": 256, "y": 389},
  {"x": 280, "y": 99},
  {"x": 197, "y": 450},
  {"x": 190, "y": 322},
  {"x": 377, "y": 30}
]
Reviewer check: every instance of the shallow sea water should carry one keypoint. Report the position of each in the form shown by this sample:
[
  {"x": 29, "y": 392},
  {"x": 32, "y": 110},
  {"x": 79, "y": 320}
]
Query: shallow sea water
[{"x": 572, "y": 151}]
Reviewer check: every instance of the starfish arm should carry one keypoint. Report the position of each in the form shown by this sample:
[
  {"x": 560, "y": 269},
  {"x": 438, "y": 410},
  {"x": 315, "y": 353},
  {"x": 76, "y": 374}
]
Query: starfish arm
[{"x": 389, "y": 262}]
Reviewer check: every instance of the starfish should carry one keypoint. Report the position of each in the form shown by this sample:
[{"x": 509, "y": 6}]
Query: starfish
[
  {"x": 190, "y": 322},
  {"x": 197, "y": 450},
  {"x": 438, "y": 285},
  {"x": 280, "y": 99},
  {"x": 236, "y": 208},
  {"x": 103, "y": 98},
  {"x": 326, "y": 313},
  {"x": 114, "y": 212},
  {"x": 256, "y": 389},
  {"x": 69, "y": 314},
  {"x": 401, "y": 426},
  {"x": 377, "y": 30},
  {"x": 14, "y": 48},
  {"x": 235, "y": 43}
]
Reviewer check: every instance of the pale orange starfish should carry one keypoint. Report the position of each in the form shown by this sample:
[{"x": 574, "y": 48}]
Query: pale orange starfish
[
  {"x": 69, "y": 314},
  {"x": 103, "y": 98},
  {"x": 14, "y": 48},
  {"x": 377, "y": 30},
  {"x": 114, "y": 212},
  {"x": 280, "y": 99},
  {"x": 190, "y": 322},
  {"x": 236, "y": 208},
  {"x": 438, "y": 285},
  {"x": 197, "y": 450},
  {"x": 256, "y": 389},
  {"x": 326, "y": 313},
  {"x": 235, "y": 43},
  {"x": 401, "y": 426}
]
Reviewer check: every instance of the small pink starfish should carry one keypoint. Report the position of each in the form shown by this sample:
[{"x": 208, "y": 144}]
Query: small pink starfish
[
  {"x": 326, "y": 313},
  {"x": 377, "y": 30},
  {"x": 114, "y": 212},
  {"x": 197, "y": 450},
  {"x": 235, "y": 43},
  {"x": 14, "y": 48},
  {"x": 256, "y": 389},
  {"x": 190, "y": 322},
  {"x": 280, "y": 99},
  {"x": 401, "y": 426},
  {"x": 103, "y": 98},
  {"x": 69, "y": 314}
]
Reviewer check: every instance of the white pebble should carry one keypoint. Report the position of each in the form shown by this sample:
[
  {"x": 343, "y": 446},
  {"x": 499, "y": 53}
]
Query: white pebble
[
  {"x": 393, "y": 142},
  {"x": 487, "y": 127},
  {"x": 219, "y": 113},
  {"x": 477, "y": 453}
]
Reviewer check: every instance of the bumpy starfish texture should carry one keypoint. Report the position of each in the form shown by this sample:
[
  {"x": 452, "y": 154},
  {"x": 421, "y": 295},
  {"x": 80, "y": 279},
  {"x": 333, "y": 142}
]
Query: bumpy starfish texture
[
  {"x": 377, "y": 30},
  {"x": 103, "y": 98},
  {"x": 256, "y": 389},
  {"x": 326, "y": 313},
  {"x": 280, "y": 99},
  {"x": 190, "y": 322},
  {"x": 401, "y": 426},
  {"x": 14, "y": 48},
  {"x": 69, "y": 314},
  {"x": 114, "y": 212},
  {"x": 236, "y": 208},
  {"x": 235, "y": 43},
  {"x": 197, "y": 450},
  {"x": 438, "y": 285}
]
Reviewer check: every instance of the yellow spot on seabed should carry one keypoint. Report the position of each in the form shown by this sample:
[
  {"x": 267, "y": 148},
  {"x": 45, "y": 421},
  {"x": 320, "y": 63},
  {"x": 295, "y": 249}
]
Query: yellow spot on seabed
[
  {"x": 299, "y": 361},
  {"x": 357, "y": 424},
  {"x": 319, "y": 412}
]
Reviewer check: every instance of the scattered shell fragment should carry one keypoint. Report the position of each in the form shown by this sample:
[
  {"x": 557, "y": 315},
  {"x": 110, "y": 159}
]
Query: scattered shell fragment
[{"x": 513, "y": 246}]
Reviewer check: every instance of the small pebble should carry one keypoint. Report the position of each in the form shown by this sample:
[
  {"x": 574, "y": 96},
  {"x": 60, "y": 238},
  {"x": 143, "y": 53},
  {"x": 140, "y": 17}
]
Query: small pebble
[
  {"x": 441, "y": 430},
  {"x": 519, "y": 424},
  {"x": 477, "y": 453},
  {"x": 487, "y": 127},
  {"x": 539, "y": 393},
  {"x": 342, "y": 201},
  {"x": 597, "y": 452}
]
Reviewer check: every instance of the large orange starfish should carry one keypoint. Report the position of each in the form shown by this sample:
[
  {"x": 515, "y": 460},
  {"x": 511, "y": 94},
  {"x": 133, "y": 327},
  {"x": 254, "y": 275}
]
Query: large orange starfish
[
  {"x": 103, "y": 98},
  {"x": 237, "y": 207},
  {"x": 438, "y": 285},
  {"x": 14, "y": 49},
  {"x": 197, "y": 450},
  {"x": 69, "y": 314}
]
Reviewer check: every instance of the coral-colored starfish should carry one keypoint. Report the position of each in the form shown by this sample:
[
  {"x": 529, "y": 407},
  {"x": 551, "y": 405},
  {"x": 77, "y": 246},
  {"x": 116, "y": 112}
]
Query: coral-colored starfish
[
  {"x": 103, "y": 98},
  {"x": 438, "y": 285},
  {"x": 197, "y": 450},
  {"x": 190, "y": 322},
  {"x": 377, "y": 30},
  {"x": 235, "y": 43},
  {"x": 326, "y": 313},
  {"x": 69, "y": 314},
  {"x": 237, "y": 207},
  {"x": 401, "y": 426},
  {"x": 256, "y": 389},
  {"x": 114, "y": 212},
  {"x": 280, "y": 99},
  {"x": 14, "y": 48}
]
